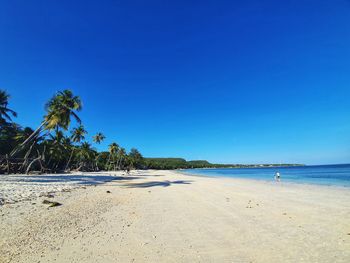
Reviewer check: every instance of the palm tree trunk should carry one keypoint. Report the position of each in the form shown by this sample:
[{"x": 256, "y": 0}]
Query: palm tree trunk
[
  {"x": 19, "y": 147},
  {"x": 109, "y": 161},
  {"x": 97, "y": 157},
  {"x": 26, "y": 156},
  {"x": 70, "y": 158},
  {"x": 118, "y": 162},
  {"x": 7, "y": 164},
  {"x": 32, "y": 162}
]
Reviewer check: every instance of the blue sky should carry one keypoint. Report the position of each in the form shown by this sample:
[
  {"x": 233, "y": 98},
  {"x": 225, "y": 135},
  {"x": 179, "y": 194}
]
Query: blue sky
[{"x": 227, "y": 81}]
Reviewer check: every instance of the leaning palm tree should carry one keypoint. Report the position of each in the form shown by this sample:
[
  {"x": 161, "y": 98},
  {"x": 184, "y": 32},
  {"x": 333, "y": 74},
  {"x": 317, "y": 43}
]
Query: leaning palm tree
[
  {"x": 78, "y": 135},
  {"x": 60, "y": 108},
  {"x": 5, "y": 112},
  {"x": 21, "y": 135}
]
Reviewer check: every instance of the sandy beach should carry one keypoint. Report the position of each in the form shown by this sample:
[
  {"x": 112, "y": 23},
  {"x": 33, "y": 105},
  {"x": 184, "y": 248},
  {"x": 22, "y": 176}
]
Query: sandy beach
[{"x": 165, "y": 216}]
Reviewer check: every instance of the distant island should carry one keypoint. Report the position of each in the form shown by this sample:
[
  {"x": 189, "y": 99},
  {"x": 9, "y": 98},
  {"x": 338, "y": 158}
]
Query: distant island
[{"x": 180, "y": 163}]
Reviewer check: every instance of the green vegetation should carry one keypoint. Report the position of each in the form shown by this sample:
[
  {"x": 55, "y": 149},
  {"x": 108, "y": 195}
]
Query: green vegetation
[
  {"x": 55, "y": 146},
  {"x": 179, "y": 163},
  {"x": 176, "y": 163}
]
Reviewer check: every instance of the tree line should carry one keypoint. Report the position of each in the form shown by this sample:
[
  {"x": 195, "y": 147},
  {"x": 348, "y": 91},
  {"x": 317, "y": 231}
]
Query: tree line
[
  {"x": 180, "y": 163},
  {"x": 55, "y": 146}
]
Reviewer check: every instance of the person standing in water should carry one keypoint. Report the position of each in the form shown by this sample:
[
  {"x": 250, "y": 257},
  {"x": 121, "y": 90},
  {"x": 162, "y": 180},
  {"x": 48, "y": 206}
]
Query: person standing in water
[{"x": 277, "y": 177}]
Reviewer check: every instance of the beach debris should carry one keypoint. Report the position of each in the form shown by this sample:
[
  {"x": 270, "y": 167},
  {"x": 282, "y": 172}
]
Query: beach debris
[
  {"x": 154, "y": 236},
  {"x": 249, "y": 204},
  {"x": 108, "y": 192},
  {"x": 51, "y": 203},
  {"x": 49, "y": 196}
]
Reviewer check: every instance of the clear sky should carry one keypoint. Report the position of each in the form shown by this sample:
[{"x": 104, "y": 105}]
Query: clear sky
[{"x": 227, "y": 81}]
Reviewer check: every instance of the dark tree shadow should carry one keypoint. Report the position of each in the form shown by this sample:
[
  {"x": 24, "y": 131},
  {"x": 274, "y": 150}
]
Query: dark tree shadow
[
  {"x": 149, "y": 175},
  {"x": 156, "y": 183},
  {"x": 85, "y": 179}
]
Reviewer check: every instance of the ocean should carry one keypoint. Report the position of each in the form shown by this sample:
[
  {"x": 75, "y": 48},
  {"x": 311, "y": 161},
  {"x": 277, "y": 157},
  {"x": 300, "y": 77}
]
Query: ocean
[{"x": 337, "y": 175}]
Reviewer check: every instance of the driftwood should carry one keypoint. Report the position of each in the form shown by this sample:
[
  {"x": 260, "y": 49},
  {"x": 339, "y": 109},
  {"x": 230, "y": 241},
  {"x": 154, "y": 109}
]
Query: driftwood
[
  {"x": 32, "y": 162},
  {"x": 18, "y": 165}
]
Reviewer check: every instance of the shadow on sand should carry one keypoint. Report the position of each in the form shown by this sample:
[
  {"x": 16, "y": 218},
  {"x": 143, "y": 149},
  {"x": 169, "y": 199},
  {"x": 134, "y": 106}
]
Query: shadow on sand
[
  {"x": 85, "y": 179},
  {"x": 156, "y": 183}
]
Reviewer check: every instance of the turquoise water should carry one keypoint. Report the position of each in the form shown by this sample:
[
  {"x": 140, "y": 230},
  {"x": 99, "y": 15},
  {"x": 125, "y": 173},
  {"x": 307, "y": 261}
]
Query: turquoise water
[{"x": 338, "y": 175}]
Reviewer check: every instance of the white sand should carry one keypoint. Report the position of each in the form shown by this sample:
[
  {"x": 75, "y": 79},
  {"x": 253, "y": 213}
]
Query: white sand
[
  {"x": 162, "y": 216},
  {"x": 20, "y": 187}
]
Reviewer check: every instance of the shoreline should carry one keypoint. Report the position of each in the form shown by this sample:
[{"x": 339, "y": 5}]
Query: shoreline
[
  {"x": 282, "y": 182},
  {"x": 167, "y": 216}
]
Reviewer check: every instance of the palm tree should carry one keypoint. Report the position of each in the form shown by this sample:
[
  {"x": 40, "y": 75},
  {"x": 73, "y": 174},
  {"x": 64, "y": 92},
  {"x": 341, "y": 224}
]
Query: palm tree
[
  {"x": 21, "y": 135},
  {"x": 113, "y": 148},
  {"x": 78, "y": 135},
  {"x": 57, "y": 148},
  {"x": 121, "y": 155},
  {"x": 136, "y": 158},
  {"x": 85, "y": 154},
  {"x": 98, "y": 138},
  {"x": 60, "y": 108},
  {"x": 5, "y": 112}
]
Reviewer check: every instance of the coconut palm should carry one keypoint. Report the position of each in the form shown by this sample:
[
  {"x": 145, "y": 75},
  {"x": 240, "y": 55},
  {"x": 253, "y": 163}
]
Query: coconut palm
[
  {"x": 60, "y": 108},
  {"x": 86, "y": 155},
  {"x": 21, "y": 135},
  {"x": 113, "y": 149},
  {"x": 136, "y": 158},
  {"x": 57, "y": 149},
  {"x": 78, "y": 135},
  {"x": 121, "y": 157},
  {"x": 98, "y": 138},
  {"x": 5, "y": 112}
]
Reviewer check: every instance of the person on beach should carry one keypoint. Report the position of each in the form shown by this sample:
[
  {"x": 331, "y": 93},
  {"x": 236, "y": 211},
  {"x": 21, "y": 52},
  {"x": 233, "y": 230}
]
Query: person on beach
[{"x": 277, "y": 177}]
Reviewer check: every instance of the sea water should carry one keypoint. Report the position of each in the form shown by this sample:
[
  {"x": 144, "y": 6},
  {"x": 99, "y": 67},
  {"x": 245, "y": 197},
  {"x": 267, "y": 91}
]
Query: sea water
[{"x": 338, "y": 175}]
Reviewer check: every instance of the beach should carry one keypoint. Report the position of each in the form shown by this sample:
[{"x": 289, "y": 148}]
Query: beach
[{"x": 166, "y": 216}]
